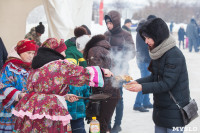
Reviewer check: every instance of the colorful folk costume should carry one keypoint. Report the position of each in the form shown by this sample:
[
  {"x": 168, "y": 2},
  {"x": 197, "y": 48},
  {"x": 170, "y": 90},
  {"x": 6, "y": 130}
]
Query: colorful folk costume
[
  {"x": 44, "y": 109},
  {"x": 12, "y": 83}
]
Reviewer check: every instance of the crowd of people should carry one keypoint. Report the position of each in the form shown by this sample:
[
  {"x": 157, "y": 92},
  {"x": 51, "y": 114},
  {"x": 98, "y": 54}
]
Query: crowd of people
[{"x": 41, "y": 82}]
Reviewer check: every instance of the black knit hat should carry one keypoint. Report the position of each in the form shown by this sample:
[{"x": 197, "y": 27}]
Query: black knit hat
[
  {"x": 107, "y": 19},
  {"x": 40, "y": 28},
  {"x": 127, "y": 21}
]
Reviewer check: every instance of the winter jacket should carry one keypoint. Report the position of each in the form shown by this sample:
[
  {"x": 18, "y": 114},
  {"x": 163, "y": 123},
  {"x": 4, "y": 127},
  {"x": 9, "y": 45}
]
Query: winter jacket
[
  {"x": 32, "y": 35},
  {"x": 3, "y": 54},
  {"x": 181, "y": 34},
  {"x": 142, "y": 54},
  {"x": 169, "y": 73},
  {"x": 77, "y": 109},
  {"x": 191, "y": 30},
  {"x": 124, "y": 27},
  {"x": 122, "y": 46},
  {"x": 73, "y": 55},
  {"x": 173, "y": 76},
  {"x": 97, "y": 52}
]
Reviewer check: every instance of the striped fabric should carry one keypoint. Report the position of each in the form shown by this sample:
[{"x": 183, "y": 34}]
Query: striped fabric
[
  {"x": 13, "y": 81},
  {"x": 96, "y": 78}
]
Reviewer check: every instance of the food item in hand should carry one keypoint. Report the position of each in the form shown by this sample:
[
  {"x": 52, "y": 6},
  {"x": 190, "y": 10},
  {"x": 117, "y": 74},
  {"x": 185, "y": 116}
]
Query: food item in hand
[
  {"x": 124, "y": 77},
  {"x": 127, "y": 86}
]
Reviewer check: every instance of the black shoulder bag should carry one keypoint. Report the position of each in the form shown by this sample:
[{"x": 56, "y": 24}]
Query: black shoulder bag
[{"x": 189, "y": 112}]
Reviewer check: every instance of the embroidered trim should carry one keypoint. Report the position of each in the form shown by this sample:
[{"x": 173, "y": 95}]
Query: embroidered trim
[
  {"x": 65, "y": 119},
  {"x": 17, "y": 70}
]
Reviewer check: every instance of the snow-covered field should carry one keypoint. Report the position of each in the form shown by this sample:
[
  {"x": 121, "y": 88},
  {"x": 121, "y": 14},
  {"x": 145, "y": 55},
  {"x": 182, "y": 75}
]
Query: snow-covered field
[{"x": 136, "y": 122}]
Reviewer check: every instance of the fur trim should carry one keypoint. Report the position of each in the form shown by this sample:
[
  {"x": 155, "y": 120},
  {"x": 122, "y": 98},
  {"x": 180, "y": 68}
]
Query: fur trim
[
  {"x": 93, "y": 41},
  {"x": 156, "y": 29},
  {"x": 79, "y": 31},
  {"x": 44, "y": 56}
]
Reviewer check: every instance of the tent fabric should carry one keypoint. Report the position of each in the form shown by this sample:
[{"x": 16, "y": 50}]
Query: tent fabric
[{"x": 64, "y": 15}]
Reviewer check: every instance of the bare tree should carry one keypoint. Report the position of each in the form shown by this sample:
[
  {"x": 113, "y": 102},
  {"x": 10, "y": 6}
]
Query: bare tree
[
  {"x": 170, "y": 11},
  {"x": 120, "y": 5}
]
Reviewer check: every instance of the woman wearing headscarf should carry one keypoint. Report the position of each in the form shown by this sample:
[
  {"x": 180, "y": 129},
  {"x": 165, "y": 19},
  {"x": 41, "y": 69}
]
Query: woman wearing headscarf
[
  {"x": 44, "y": 109},
  {"x": 13, "y": 81}
]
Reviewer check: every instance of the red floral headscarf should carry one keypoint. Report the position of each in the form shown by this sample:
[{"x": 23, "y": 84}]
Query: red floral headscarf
[
  {"x": 25, "y": 45},
  {"x": 55, "y": 44}
]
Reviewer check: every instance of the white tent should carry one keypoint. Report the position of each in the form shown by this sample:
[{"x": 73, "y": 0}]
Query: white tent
[{"x": 62, "y": 16}]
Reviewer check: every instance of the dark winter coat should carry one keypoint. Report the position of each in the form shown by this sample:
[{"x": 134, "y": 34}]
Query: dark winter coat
[
  {"x": 3, "y": 54},
  {"x": 124, "y": 27},
  {"x": 122, "y": 45},
  {"x": 142, "y": 53},
  {"x": 169, "y": 73},
  {"x": 97, "y": 53},
  {"x": 191, "y": 30},
  {"x": 181, "y": 34}
]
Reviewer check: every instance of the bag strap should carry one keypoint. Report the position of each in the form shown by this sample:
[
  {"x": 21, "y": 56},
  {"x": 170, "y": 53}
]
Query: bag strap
[
  {"x": 170, "y": 93},
  {"x": 171, "y": 96}
]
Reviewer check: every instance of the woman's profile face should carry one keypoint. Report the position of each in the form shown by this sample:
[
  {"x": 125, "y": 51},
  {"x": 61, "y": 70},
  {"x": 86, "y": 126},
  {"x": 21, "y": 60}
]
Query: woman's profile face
[
  {"x": 63, "y": 53},
  {"x": 27, "y": 56},
  {"x": 149, "y": 41}
]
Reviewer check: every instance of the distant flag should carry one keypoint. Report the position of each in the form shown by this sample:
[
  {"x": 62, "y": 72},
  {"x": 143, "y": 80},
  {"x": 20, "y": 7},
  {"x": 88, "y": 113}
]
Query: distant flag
[{"x": 101, "y": 13}]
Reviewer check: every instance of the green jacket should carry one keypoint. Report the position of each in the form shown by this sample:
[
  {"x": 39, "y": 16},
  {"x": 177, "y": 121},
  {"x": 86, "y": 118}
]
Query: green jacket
[{"x": 73, "y": 55}]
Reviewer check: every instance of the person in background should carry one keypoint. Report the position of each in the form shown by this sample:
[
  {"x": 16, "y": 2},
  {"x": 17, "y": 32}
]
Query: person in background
[
  {"x": 75, "y": 52},
  {"x": 13, "y": 81},
  {"x": 127, "y": 25},
  {"x": 142, "y": 101},
  {"x": 3, "y": 54},
  {"x": 192, "y": 34},
  {"x": 169, "y": 73},
  {"x": 171, "y": 26},
  {"x": 122, "y": 51},
  {"x": 181, "y": 34},
  {"x": 72, "y": 53},
  {"x": 44, "y": 108},
  {"x": 97, "y": 53},
  {"x": 35, "y": 33},
  {"x": 87, "y": 29}
]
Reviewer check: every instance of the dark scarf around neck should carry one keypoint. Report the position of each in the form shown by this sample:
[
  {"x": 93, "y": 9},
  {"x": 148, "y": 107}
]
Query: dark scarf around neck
[{"x": 44, "y": 56}]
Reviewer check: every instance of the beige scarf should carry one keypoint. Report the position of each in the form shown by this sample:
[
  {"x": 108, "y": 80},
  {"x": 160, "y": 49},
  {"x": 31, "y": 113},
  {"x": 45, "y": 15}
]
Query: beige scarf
[{"x": 166, "y": 45}]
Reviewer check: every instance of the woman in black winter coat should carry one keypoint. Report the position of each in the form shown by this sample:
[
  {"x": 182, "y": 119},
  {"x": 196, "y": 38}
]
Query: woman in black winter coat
[
  {"x": 97, "y": 52},
  {"x": 169, "y": 73}
]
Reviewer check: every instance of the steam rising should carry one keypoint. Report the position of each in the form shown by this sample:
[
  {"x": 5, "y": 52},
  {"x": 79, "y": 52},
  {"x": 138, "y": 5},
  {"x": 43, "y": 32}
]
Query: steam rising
[{"x": 120, "y": 56}]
